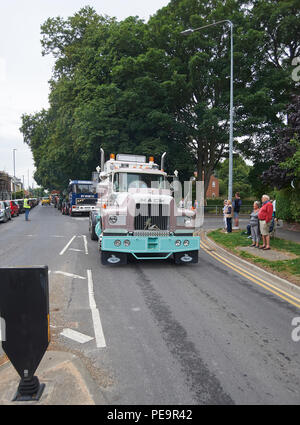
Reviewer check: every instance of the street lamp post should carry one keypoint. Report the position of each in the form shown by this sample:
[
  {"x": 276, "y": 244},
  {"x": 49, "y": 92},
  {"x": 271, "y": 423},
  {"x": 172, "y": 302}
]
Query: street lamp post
[
  {"x": 14, "y": 161},
  {"x": 190, "y": 31}
]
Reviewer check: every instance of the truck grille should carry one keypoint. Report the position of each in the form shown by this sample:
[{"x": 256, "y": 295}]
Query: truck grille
[{"x": 152, "y": 217}]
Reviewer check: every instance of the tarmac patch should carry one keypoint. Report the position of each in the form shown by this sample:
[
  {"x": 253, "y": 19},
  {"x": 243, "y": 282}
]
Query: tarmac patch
[{"x": 270, "y": 255}]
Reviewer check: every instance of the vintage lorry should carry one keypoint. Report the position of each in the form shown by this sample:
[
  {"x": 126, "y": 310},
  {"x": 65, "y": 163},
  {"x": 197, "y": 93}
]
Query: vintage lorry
[{"x": 136, "y": 213}]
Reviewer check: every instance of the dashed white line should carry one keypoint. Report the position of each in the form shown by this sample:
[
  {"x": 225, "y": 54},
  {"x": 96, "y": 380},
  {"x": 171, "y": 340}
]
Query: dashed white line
[
  {"x": 85, "y": 244},
  {"x": 76, "y": 336},
  {"x": 67, "y": 246},
  {"x": 99, "y": 335},
  {"x": 75, "y": 276}
]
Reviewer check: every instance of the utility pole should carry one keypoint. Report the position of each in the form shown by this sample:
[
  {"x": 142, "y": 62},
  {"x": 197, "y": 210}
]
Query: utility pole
[
  {"x": 191, "y": 31},
  {"x": 14, "y": 162}
]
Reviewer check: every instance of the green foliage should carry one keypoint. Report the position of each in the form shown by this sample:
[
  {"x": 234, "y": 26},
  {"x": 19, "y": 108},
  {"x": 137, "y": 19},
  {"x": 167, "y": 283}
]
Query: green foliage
[
  {"x": 233, "y": 240},
  {"x": 18, "y": 195},
  {"x": 144, "y": 88},
  {"x": 240, "y": 176},
  {"x": 288, "y": 204}
]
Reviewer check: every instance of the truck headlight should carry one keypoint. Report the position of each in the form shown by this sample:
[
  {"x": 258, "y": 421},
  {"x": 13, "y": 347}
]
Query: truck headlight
[
  {"x": 117, "y": 242},
  {"x": 178, "y": 243},
  {"x": 126, "y": 242},
  {"x": 186, "y": 243}
]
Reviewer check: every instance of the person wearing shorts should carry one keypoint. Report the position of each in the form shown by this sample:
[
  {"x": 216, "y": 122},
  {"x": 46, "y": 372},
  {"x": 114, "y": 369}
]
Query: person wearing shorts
[
  {"x": 265, "y": 217},
  {"x": 236, "y": 209}
]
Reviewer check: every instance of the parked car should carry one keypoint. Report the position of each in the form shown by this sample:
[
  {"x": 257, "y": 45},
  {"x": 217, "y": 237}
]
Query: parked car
[
  {"x": 46, "y": 200},
  {"x": 14, "y": 208},
  {"x": 21, "y": 205},
  {"x": 5, "y": 213}
]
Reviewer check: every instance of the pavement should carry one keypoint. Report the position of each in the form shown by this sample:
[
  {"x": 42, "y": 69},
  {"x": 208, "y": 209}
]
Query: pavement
[{"x": 216, "y": 332}]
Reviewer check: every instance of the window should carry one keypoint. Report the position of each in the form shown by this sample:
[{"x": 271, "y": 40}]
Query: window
[
  {"x": 82, "y": 188},
  {"x": 125, "y": 181}
]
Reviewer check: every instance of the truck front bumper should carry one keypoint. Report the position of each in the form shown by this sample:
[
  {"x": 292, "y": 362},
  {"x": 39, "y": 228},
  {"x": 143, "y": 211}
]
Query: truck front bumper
[{"x": 151, "y": 247}]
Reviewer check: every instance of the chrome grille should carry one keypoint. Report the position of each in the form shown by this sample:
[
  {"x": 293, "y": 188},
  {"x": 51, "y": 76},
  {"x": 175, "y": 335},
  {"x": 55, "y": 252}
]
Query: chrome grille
[{"x": 149, "y": 215}]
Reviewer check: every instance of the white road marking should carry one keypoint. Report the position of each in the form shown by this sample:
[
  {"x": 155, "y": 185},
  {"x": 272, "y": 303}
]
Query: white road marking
[
  {"x": 99, "y": 335},
  {"x": 75, "y": 249},
  {"x": 75, "y": 276},
  {"x": 67, "y": 246},
  {"x": 85, "y": 244},
  {"x": 2, "y": 329},
  {"x": 136, "y": 309},
  {"x": 76, "y": 336},
  {"x": 56, "y": 236}
]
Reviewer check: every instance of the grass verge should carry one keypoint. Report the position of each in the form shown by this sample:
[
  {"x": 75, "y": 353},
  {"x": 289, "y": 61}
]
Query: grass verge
[{"x": 287, "y": 269}]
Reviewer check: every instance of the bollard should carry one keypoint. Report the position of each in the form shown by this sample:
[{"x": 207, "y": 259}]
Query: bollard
[{"x": 24, "y": 307}]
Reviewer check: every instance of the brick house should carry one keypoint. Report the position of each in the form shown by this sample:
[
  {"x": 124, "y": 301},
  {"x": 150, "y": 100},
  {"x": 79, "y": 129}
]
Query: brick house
[{"x": 213, "y": 187}]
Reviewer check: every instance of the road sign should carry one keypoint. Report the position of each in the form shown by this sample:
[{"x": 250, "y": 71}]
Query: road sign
[{"x": 24, "y": 307}]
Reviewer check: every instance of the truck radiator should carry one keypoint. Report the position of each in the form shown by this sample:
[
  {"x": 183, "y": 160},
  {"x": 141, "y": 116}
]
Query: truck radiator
[{"x": 152, "y": 217}]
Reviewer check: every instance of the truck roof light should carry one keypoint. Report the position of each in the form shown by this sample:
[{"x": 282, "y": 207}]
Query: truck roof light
[
  {"x": 131, "y": 158},
  {"x": 151, "y": 159},
  {"x": 112, "y": 156}
]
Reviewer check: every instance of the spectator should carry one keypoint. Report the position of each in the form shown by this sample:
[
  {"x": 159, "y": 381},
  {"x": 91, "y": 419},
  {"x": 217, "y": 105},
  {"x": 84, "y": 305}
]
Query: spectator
[
  {"x": 237, "y": 202},
  {"x": 228, "y": 215},
  {"x": 265, "y": 218},
  {"x": 224, "y": 217},
  {"x": 274, "y": 212},
  {"x": 254, "y": 224}
]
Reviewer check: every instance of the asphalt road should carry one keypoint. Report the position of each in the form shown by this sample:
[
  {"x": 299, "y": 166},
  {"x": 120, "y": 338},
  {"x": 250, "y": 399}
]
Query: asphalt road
[{"x": 161, "y": 334}]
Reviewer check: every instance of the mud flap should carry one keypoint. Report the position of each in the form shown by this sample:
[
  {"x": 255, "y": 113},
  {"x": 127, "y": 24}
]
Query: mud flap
[
  {"x": 186, "y": 257},
  {"x": 109, "y": 258}
]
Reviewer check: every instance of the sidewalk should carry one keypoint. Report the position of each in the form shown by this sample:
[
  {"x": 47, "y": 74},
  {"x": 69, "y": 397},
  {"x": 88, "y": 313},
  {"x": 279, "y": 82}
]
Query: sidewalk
[
  {"x": 67, "y": 381},
  {"x": 290, "y": 232},
  {"x": 65, "y": 378}
]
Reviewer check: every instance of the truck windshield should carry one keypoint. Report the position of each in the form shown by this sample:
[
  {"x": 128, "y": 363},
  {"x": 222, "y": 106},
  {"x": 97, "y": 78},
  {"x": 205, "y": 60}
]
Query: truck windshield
[
  {"x": 125, "y": 181},
  {"x": 82, "y": 188}
]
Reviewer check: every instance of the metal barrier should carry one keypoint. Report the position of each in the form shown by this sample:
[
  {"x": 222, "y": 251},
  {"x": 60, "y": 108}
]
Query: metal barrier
[{"x": 218, "y": 209}]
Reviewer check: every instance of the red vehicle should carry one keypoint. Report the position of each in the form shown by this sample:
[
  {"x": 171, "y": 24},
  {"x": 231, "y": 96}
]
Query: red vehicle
[{"x": 14, "y": 208}]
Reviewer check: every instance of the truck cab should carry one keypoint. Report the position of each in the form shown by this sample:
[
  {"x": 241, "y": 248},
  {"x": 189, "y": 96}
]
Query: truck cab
[{"x": 137, "y": 215}]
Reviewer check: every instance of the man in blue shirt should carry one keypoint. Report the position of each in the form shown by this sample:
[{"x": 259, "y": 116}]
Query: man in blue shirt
[{"x": 236, "y": 209}]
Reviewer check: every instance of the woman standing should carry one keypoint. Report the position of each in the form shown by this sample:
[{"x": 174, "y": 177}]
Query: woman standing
[
  {"x": 228, "y": 215},
  {"x": 254, "y": 224}
]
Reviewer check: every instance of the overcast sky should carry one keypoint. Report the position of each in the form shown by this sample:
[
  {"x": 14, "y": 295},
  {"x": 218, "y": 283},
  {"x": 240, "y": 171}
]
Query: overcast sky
[{"x": 24, "y": 73}]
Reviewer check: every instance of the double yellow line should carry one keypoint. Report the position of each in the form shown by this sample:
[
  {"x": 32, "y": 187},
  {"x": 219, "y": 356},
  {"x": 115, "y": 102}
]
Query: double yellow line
[{"x": 255, "y": 279}]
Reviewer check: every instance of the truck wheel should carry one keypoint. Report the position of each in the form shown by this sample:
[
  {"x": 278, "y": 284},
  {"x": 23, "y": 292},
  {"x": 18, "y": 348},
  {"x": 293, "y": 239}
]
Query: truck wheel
[{"x": 93, "y": 234}]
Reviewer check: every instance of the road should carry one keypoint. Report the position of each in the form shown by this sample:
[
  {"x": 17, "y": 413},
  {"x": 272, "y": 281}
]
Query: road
[{"x": 160, "y": 333}]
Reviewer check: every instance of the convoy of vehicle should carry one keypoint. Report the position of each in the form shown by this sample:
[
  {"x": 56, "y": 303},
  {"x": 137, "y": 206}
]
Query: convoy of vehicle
[
  {"x": 14, "y": 207},
  {"x": 132, "y": 211},
  {"x": 137, "y": 215},
  {"x": 5, "y": 213}
]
